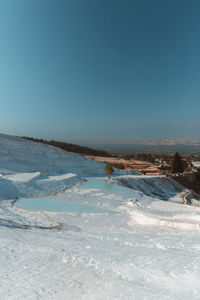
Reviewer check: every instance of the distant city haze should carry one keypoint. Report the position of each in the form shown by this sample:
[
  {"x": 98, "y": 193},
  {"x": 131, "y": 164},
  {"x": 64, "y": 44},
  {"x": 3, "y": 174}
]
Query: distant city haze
[{"x": 99, "y": 71}]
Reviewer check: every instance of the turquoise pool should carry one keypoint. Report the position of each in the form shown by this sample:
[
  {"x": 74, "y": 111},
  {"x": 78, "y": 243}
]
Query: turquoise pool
[
  {"x": 100, "y": 185},
  {"x": 55, "y": 205}
]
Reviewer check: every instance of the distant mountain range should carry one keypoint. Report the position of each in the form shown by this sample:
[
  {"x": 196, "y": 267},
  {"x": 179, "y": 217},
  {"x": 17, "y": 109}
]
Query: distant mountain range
[
  {"x": 152, "y": 142},
  {"x": 169, "y": 142}
]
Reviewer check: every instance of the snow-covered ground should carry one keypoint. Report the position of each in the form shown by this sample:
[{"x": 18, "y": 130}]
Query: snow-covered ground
[
  {"x": 196, "y": 164},
  {"x": 106, "y": 239}
]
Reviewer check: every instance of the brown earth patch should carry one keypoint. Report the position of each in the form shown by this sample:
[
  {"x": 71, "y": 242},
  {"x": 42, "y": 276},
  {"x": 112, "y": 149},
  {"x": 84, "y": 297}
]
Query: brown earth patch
[{"x": 120, "y": 163}]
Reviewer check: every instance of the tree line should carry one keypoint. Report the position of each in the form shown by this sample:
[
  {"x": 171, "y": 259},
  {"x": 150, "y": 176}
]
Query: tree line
[{"x": 70, "y": 147}]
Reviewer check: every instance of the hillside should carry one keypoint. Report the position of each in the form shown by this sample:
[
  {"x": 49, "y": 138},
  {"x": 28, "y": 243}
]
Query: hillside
[
  {"x": 70, "y": 147},
  {"x": 20, "y": 154},
  {"x": 65, "y": 229},
  {"x": 26, "y": 166}
]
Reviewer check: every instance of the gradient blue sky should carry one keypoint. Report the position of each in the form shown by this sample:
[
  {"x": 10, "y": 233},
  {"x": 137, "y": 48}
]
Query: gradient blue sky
[{"x": 100, "y": 69}]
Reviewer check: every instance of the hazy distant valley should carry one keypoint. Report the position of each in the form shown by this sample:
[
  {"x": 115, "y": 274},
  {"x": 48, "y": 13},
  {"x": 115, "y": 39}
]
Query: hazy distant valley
[{"x": 128, "y": 148}]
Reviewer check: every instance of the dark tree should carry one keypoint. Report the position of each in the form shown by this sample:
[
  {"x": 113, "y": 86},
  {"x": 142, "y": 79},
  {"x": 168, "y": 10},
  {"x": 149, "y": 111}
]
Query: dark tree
[
  {"x": 197, "y": 175},
  {"x": 178, "y": 165}
]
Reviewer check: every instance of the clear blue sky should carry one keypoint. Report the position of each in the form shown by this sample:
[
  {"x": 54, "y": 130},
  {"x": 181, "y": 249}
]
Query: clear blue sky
[{"x": 100, "y": 69}]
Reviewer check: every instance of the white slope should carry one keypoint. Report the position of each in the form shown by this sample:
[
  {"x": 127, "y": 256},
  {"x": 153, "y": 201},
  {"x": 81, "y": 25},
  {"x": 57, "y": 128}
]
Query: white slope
[
  {"x": 117, "y": 240},
  {"x": 119, "y": 253},
  {"x": 20, "y": 155},
  {"x": 159, "y": 187},
  {"x": 59, "y": 177},
  {"x": 34, "y": 169},
  {"x": 21, "y": 177},
  {"x": 196, "y": 164}
]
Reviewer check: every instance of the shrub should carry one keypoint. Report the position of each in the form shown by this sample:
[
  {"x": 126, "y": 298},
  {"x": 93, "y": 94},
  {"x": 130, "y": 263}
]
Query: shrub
[{"x": 109, "y": 169}]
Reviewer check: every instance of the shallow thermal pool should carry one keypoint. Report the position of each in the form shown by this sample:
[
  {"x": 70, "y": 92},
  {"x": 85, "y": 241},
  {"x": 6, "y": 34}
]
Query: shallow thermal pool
[
  {"x": 108, "y": 187},
  {"x": 99, "y": 185},
  {"x": 56, "y": 205}
]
